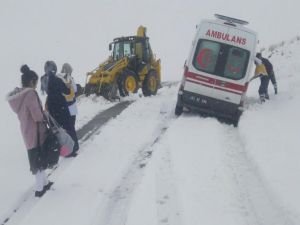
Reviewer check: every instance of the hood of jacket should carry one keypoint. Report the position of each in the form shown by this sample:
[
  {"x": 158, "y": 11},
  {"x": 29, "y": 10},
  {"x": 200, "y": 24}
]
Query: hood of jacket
[
  {"x": 16, "y": 98},
  {"x": 50, "y": 68},
  {"x": 67, "y": 69}
]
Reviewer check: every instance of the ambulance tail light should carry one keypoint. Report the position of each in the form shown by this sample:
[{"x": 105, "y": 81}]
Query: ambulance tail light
[
  {"x": 246, "y": 87},
  {"x": 241, "y": 106},
  {"x": 186, "y": 69}
]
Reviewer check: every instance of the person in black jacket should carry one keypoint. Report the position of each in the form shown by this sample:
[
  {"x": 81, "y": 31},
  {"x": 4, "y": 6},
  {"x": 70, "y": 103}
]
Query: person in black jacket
[
  {"x": 56, "y": 103},
  {"x": 270, "y": 71}
]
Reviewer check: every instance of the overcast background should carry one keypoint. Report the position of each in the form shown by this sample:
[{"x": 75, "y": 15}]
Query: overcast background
[{"x": 78, "y": 31}]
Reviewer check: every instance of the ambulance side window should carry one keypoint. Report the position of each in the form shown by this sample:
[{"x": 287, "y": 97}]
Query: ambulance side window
[
  {"x": 236, "y": 63},
  {"x": 206, "y": 56}
]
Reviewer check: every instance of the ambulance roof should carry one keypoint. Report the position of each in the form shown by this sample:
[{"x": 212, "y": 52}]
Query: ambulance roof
[
  {"x": 236, "y": 23},
  {"x": 231, "y": 20}
]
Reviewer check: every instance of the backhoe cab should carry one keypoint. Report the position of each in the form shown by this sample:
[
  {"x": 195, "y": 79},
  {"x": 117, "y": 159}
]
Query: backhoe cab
[{"x": 130, "y": 67}]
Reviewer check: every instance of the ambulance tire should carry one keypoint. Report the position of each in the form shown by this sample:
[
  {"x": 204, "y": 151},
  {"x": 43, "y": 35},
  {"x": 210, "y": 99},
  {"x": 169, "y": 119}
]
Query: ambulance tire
[
  {"x": 178, "y": 110},
  {"x": 236, "y": 120},
  {"x": 235, "y": 123}
]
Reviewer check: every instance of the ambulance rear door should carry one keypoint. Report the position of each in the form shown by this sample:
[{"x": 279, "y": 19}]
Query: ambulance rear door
[
  {"x": 200, "y": 77},
  {"x": 234, "y": 65}
]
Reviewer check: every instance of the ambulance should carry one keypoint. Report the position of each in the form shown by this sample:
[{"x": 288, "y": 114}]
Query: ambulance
[{"x": 217, "y": 70}]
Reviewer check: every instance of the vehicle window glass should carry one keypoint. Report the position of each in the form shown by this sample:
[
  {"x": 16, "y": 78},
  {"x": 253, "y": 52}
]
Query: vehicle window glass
[
  {"x": 147, "y": 52},
  {"x": 127, "y": 49},
  {"x": 221, "y": 59},
  {"x": 117, "y": 51},
  {"x": 138, "y": 50},
  {"x": 206, "y": 56},
  {"x": 236, "y": 63}
]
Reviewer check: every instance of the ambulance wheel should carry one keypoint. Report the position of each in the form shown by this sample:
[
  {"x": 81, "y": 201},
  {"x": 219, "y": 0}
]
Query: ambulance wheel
[
  {"x": 178, "y": 110},
  {"x": 236, "y": 120},
  {"x": 235, "y": 123}
]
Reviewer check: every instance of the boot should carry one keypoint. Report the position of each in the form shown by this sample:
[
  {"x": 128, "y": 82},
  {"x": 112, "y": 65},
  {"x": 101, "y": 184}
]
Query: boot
[
  {"x": 39, "y": 193},
  {"x": 48, "y": 186},
  {"x": 267, "y": 96},
  {"x": 262, "y": 98},
  {"x": 73, "y": 154}
]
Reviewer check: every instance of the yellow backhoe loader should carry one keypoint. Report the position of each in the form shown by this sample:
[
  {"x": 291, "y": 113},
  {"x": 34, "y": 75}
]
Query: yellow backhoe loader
[{"x": 131, "y": 66}]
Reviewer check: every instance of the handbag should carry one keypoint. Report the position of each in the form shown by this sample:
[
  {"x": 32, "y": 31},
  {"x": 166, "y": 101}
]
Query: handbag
[
  {"x": 49, "y": 149},
  {"x": 57, "y": 142},
  {"x": 66, "y": 142}
]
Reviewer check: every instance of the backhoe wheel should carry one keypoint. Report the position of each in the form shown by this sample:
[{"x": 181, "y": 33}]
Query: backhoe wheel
[
  {"x": 109, "y": 91},
  {"x": 150, "y": 84},
  {"x": 127, "y": 83},
  {"x": 87, "y": 90},
  {"x": 80, "y": 90}
]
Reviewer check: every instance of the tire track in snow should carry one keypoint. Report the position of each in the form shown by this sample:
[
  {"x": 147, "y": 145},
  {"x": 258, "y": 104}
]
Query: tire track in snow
[
  {"x": 114, "y": 210},
  {"x": 258, "y": 204},
  {"x": 168, "y": 204}
]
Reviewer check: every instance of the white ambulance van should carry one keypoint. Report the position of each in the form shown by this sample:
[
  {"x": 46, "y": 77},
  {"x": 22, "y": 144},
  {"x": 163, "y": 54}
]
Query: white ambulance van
[{"x": 217, "y": 70}]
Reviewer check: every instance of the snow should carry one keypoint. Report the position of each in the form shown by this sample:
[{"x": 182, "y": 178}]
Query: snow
[{"x": 146, "y": 166}]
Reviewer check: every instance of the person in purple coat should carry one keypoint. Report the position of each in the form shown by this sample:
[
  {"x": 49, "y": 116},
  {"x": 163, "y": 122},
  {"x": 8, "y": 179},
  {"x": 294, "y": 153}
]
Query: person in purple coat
[{"x": 26, "y": 104}]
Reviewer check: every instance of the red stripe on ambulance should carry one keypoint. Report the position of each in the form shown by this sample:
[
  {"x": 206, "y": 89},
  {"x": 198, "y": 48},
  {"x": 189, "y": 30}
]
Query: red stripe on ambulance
[{"x": 215, "y": 83}]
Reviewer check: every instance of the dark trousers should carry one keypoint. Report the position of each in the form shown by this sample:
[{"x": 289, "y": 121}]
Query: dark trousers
[
  {"x": 263, "y": 88},
  {"x": 272, "y": 77},
  {"x": 73, "y": 133},
  {"x": 35, "y": 162}
]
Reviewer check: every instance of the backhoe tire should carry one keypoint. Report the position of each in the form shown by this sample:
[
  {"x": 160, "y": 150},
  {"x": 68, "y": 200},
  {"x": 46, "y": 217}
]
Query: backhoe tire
[
  {"x": 127, "y": 83},
  {"x": 87, "y": 90},
  {"x": 79, "y": 90},
  {"x": 109, "y": 91},
  {"x": 150, "y": 84}
]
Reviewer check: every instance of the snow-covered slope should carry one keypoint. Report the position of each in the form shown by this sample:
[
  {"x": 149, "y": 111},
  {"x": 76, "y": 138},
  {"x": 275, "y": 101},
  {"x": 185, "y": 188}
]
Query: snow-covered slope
[{"x": 274, "y": 140}]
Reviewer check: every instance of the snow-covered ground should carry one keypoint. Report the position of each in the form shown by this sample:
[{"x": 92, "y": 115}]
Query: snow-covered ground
[{"x": 149, "y": 167}]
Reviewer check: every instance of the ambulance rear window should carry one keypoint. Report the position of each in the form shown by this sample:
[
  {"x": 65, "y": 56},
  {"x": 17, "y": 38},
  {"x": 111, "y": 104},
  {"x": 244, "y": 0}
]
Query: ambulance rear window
[{"x": 221, "y": 59}]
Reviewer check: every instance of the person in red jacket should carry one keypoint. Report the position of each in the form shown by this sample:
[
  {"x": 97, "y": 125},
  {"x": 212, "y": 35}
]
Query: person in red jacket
[{"x": 26, "y": 104}]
